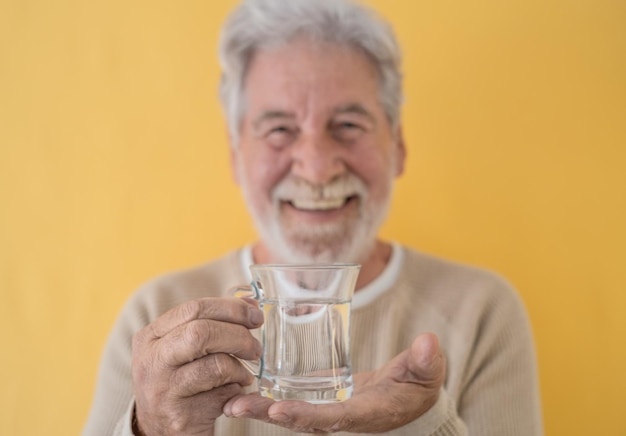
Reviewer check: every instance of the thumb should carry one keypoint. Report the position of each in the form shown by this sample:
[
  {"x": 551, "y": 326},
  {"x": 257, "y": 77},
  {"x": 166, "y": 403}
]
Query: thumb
[{"x": 427, "y": 363}]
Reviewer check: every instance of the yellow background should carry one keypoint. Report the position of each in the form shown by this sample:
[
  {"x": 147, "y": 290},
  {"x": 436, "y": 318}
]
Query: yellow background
[{"x": 113, "y": 169}]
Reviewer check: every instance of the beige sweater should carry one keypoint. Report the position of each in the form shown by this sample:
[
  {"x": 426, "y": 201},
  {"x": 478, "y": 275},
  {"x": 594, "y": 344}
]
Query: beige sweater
[{"x": 491, "y": 386}]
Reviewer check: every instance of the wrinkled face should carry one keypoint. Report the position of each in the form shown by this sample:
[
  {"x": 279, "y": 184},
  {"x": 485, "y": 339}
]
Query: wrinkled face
[{"x": 317, "y": 156}]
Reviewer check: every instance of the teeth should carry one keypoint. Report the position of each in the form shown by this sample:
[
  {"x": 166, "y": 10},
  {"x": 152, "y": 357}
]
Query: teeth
[{"x": 319, "y": 204}]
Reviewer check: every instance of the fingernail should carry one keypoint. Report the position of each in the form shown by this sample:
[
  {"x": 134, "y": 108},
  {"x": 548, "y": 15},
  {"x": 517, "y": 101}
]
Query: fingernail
[
  {"x": 243, "y": 414},
  {"x": 251, "y": 301},
  {"x": 240, "y": 412},
  {"x": 259, "y": 348},
  {"x": 227, "y": 410},
  {"x": 280, "y": 417},
  {"x": 255, "y": 316}
]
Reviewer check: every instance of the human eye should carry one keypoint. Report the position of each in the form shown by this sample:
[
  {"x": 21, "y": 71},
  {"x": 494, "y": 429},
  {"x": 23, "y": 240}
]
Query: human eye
[
  {"x": 279, "y": 135},
  {"x": 347, "y": 130}
]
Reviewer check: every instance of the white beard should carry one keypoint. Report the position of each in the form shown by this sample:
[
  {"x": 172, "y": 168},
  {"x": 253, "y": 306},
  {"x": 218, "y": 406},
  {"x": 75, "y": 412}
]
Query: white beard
[{"x": 349, "y": 240}]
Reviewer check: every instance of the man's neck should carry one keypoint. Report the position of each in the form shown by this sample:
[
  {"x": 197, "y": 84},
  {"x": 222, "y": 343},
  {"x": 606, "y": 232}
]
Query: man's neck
[{"x": 371, "y": 266}]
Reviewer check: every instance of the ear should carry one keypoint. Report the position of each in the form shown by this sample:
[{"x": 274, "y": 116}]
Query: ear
[{"x": 400, "y": 151}]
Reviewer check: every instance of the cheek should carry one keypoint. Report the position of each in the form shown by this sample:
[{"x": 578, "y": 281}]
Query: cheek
[
  {"x": 262, "y": 173},
  {"x": 376, "y": 170}
]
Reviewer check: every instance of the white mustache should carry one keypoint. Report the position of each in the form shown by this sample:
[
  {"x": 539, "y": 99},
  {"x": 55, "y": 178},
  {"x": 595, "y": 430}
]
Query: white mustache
[{"x": 337, "y": 190}]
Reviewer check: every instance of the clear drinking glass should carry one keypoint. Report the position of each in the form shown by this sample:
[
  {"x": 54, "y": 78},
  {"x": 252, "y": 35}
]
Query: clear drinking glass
[{"x": 305, "y": 335}]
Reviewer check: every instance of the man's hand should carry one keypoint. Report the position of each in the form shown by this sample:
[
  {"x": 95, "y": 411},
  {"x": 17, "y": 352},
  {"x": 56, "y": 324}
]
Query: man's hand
[
  {"x": 385, "y": 399},
  {"x": 182, "y": 371}
]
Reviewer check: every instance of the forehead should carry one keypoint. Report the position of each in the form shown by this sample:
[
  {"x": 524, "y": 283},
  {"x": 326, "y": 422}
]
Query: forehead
[{"x": 304, "y": 75}]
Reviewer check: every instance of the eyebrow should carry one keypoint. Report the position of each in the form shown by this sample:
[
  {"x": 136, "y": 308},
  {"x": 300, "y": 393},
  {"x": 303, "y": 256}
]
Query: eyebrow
[
  {"x": 355, "y": 108},
  {"x": 271, "y": 115},
  {"x": 349, "y": 108}
]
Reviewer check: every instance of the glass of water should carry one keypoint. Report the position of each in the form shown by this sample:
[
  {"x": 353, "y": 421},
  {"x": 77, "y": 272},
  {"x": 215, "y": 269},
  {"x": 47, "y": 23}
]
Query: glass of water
[{"x": 305, "y": 336}]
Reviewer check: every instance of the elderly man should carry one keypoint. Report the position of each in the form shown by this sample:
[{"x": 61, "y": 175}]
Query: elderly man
[{"x": 312, "y": 91}]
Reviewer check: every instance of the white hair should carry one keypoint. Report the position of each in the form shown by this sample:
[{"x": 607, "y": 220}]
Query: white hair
[{"x": 258, "y": 24}]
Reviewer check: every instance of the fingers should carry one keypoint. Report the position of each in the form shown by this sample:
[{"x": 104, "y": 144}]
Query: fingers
[
  {"x": 201, "y": 337},
  {"x": 209, "y": 373},
  {"x": 298, "y": 416},
  {"x": 182, "y": 367},
  {"x": 200, "y": 327},
  {"x": 383, "y": 400},
  {"x": 194, "y": 416},
  {"x": 220, "y": 395},
  {"x": 328, "y": 418},
  {"x": 234, "y": 310},
  {"x": 248, "y": 406},
  {"x": 426, "y": 362}
]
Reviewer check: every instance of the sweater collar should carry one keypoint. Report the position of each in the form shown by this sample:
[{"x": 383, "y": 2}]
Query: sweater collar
[{"x": 365, "y": 295}]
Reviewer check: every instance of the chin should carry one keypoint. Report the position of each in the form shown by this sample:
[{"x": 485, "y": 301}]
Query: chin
[
  {"x": 347, "y": 244},
  {"x": 350, "y": 240}
]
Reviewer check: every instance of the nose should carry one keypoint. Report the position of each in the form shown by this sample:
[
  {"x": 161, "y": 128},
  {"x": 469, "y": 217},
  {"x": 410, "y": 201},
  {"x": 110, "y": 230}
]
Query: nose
[{"x": 317, "y": 159}]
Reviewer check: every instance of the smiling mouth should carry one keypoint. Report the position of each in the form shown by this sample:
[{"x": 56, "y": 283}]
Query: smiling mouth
[{"x": 320, "y": 204}]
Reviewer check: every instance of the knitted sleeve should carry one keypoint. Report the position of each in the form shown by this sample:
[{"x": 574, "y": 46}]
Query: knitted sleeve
[
  {"x": 114, "y": 390},
  {"x": 500, "y": 394}
]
